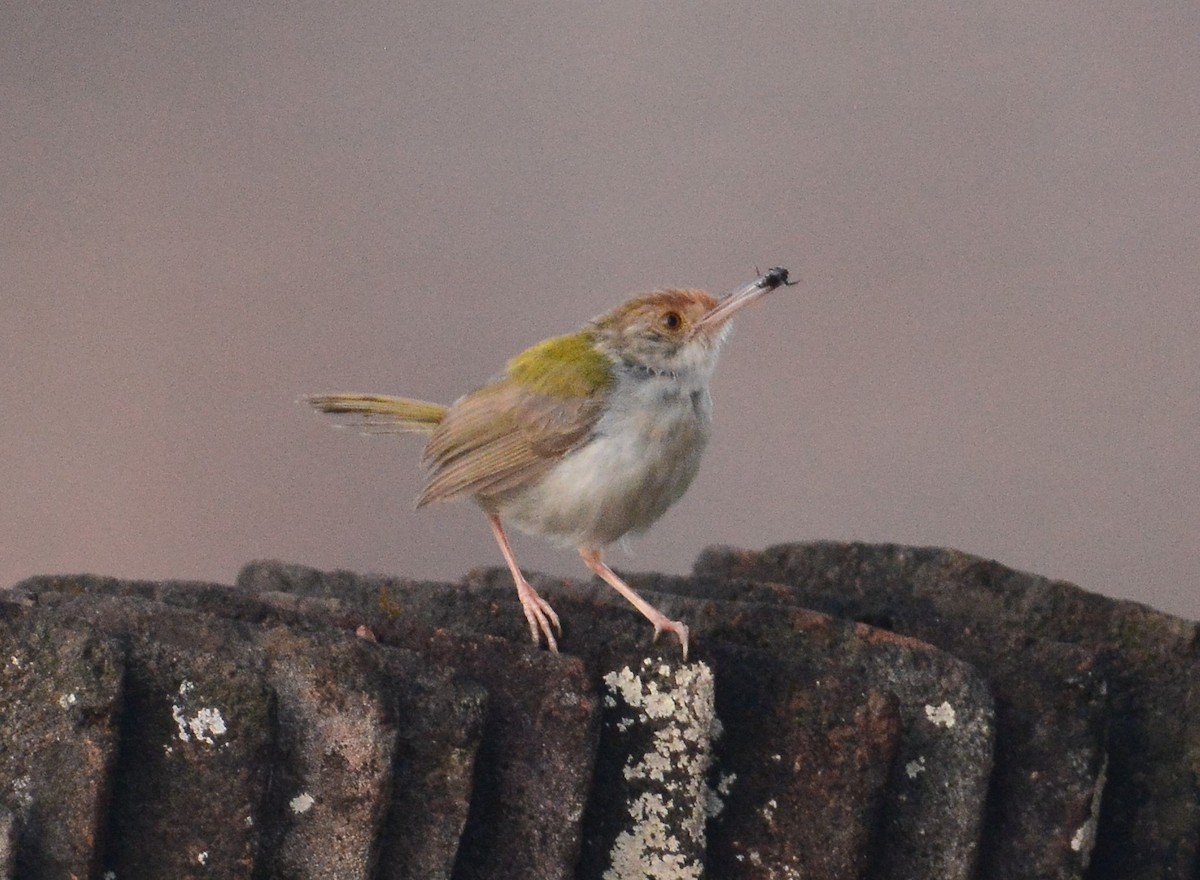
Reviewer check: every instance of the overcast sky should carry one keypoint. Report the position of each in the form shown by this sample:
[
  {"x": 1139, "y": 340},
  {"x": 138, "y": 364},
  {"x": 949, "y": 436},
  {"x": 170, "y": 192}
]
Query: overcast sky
[{"x": 210, "y": 209}]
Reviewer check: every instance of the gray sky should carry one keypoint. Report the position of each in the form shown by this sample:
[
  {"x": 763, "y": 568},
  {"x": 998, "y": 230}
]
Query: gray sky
[{"x": 210, "y": 209}]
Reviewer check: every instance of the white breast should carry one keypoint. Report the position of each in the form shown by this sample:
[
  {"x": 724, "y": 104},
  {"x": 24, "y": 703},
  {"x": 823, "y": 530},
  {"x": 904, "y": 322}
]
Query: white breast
[{"x": 640, "y": 460}]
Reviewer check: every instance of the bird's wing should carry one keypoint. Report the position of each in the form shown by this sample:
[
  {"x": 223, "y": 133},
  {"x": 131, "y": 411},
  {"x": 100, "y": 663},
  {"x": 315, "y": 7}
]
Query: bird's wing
[{"x": 504, "y": 436}]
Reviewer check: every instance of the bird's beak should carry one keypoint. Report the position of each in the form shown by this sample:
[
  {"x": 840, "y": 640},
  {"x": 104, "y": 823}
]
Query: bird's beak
[{"x": 737, "y": 299}]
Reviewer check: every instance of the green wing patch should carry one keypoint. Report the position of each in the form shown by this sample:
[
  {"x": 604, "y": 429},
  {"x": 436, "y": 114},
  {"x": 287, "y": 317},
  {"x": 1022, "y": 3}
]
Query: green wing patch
[{"x": 562, "y": 366}]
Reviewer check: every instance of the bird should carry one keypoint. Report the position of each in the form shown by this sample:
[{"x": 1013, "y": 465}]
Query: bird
[{"x": 584, "y": 438}]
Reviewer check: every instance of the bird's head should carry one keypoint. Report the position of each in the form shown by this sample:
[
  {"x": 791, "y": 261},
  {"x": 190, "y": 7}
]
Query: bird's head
[{"x": 678, "y": 330}]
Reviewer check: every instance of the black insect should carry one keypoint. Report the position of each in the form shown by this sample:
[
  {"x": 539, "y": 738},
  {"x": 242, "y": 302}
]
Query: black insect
[{"x": 775, "y": 278}]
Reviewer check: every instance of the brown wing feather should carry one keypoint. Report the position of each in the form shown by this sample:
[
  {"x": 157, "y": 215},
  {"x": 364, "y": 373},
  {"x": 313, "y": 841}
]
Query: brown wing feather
[{"x": 502, "y": 437}]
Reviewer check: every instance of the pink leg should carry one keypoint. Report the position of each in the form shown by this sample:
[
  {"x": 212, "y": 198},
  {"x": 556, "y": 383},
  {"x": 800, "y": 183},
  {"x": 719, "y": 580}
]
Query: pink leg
[
  {"x": 537, "y": 610},
  {"x": 591, "y": 558}
]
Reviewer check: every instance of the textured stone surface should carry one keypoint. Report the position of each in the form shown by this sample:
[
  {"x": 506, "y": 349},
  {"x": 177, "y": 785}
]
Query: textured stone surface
[
  {"x": 8, "y": 845},
  {"x": 933, "y": 804},
  {"x": 609, "y": 636},
  {"x": 418, "y": 801},
  {"x": 923, "y": 807},
  {"x": 440, "y": 718},
  {"x": 802, "y": 769},
  {"x": 330, "y": 788},
  {"x": 197, "y": 730},
  {"x": 826, "y": 706},
  {"x": 534, "y": 766},
  {"x": 1051, "y": 651},
  {"x": 651, "y": 795},
  {"x": 1051, "y": 761},
  {"x": 440, "y": 733},
  {"x": 316, "y": 724},
  {"x": 373, "y": 765},
  {"x": 60, "y": 691}
]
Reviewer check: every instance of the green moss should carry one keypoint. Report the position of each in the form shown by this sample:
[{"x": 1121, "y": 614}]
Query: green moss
[{"x": 389, "y": 606}]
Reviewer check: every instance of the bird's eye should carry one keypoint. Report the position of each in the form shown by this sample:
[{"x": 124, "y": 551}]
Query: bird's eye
[{"x": 671, "y": 320}]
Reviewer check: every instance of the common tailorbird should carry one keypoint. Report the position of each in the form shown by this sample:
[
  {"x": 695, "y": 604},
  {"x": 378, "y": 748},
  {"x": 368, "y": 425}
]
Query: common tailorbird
[{"x": 585, "y": 438}]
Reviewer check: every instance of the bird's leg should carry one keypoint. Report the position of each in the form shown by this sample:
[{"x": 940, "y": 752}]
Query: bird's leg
[
  {"x": 591, "y": 558},
  {"x": 542, "y": 619}
]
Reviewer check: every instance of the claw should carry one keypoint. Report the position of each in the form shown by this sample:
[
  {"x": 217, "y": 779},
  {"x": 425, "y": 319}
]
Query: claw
[
  {"x": 678, "y": 627},
  {"x": 542, "y": 619}
]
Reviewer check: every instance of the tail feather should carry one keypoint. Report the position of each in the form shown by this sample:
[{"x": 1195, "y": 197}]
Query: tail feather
[{"x": 380, "y": 414}]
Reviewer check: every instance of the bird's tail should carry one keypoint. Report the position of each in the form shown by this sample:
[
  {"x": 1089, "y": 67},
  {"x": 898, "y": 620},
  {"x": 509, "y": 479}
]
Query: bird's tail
[{"x": 380, "y": 414}]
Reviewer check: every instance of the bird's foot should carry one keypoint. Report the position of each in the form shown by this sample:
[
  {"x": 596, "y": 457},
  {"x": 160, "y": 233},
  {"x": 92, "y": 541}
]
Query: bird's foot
[
  {"x": 542, "y": 619},
  {"x": 676, "y": 626},
  {"x": 591, "y": 558}
]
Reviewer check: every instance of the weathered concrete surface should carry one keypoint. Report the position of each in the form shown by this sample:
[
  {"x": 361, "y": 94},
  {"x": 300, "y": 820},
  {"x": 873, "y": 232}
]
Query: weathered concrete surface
[
  {"x": 440, "y": 717},
  {"x": 315, "y": 724},
  {"x": 372, "y": 769},
  {"x": 843, "y": 663},
  {"x": 934, "y": 795},
  {"x": 60, "y": 695},
  {"x": 331, "y": 783},
  {"x": 534, "y": 766},
  {"x": 608, "y": 637},
  {"x": 197, "y": 727},
  {"x": 1064, "y": 664},
  {"x": 651, "y": 795},
  {"x": 801, "y": 769},
  {"x": 849, "y": 793},
  {"x": 8, "y": 845}
]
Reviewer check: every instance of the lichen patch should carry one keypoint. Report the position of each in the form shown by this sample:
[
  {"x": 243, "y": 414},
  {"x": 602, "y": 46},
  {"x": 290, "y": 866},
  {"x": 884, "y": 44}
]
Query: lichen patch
[
  {"x": 942, "y": 716},
  {"x": 671, "y": 711}
]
